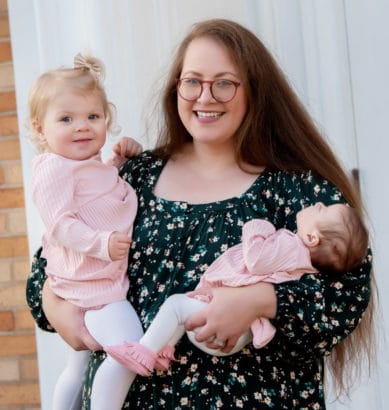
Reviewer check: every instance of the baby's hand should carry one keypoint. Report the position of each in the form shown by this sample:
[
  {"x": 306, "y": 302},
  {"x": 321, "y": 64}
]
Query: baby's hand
[
  {"x": 118, "y": 246},
  {"x": 127, "y": 147}
]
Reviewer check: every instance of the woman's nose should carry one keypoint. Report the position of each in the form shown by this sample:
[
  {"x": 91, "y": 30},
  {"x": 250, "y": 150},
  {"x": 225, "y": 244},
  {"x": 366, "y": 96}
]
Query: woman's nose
[{"x": 206, "y": 94}]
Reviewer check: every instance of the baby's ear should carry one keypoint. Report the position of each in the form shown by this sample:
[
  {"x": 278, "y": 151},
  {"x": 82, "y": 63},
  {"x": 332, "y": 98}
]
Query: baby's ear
[{"x": 312, "y": 239}]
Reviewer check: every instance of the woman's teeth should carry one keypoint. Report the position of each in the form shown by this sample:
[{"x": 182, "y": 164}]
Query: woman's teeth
[{"x": 201, "y": 114}]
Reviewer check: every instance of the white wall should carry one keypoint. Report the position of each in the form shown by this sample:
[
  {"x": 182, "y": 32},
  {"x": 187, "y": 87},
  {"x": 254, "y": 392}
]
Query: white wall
[{"x": 332, "y": 51}]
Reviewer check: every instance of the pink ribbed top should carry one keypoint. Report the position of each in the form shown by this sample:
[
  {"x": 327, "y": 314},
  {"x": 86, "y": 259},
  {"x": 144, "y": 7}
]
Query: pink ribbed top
[
  {"x": 81, "y": 203},
  {"x": 263, "y": 255}
]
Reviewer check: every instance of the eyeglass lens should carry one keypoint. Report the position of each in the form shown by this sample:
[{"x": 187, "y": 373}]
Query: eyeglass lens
[{"x": 222, "y": 90}]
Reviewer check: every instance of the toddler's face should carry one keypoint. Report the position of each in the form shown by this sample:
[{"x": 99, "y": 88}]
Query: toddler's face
[{"x": 74, "y": 125}]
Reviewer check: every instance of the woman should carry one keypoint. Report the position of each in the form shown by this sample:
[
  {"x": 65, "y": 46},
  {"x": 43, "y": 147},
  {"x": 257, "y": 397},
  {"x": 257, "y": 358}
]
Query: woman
[{"x": 236, "y": 145}]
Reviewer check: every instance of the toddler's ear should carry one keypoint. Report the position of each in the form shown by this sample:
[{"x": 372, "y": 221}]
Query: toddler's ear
[{"x": 38, "y": 129}]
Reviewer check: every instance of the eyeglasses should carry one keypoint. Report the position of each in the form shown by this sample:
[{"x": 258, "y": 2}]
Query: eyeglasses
[{"x": 222, "y": 90}]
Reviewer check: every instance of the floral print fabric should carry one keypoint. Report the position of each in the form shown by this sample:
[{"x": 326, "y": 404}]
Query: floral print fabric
[{"x": 174, "y": 242}]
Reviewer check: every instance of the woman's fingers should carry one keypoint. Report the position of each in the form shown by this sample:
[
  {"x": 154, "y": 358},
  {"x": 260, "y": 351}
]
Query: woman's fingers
[{"x": 68, "y": 320}]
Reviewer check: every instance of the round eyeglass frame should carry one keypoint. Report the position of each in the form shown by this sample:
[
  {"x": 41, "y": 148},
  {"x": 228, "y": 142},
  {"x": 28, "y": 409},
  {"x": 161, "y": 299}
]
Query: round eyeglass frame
[{"x": 179, "y": 81}]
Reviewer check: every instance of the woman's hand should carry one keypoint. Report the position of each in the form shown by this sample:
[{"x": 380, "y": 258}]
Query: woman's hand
[
  {"x": 68, "y": 320},
  {"x": 230, "y": 314}
]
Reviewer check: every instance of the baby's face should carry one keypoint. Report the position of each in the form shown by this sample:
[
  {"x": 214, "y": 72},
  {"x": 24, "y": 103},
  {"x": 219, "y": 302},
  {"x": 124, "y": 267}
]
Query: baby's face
[
  {"x": 74, "y": 125},
  {"x": 317, "y": 216}
]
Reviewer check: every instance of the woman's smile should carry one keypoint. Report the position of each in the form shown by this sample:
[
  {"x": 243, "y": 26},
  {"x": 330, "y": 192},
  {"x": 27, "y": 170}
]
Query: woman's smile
[{"x": 208, "y": 116}]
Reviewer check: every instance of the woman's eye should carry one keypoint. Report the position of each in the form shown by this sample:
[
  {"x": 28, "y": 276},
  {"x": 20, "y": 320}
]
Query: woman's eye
[
  {"x": 191, "y": 81},
  {"x": 224, "y": 83}
]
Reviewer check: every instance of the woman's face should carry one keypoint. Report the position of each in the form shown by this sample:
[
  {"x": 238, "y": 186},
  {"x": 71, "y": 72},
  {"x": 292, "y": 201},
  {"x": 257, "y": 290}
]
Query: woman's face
[{"x": 207, "y": 120}]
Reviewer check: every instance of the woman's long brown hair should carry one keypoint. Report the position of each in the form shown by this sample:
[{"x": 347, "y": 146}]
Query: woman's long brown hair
[{"x": 278, "y": 133}]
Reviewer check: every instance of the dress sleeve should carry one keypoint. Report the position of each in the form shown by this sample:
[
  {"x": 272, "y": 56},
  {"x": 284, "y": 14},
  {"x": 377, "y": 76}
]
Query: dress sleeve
[
  {"x": 137, "y": 171},
  {"x": 318, "y": 311},
  {"x": 35, "y": 282}
]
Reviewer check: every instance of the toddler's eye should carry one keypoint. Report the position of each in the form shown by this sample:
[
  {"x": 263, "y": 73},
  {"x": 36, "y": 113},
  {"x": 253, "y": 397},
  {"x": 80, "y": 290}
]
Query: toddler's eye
[
  {"x": 66, "y": 119},
  {"x": 93, "y": 117}
]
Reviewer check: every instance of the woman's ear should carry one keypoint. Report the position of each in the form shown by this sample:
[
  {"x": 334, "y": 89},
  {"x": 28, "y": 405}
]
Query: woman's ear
[{"x": 312, "y": 239}]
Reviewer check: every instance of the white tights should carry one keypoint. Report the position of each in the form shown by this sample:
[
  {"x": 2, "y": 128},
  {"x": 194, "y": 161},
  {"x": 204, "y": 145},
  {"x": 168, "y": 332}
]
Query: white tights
[
  {"x": 111, "y": 325},
  {"x": 168, "y": 326}
]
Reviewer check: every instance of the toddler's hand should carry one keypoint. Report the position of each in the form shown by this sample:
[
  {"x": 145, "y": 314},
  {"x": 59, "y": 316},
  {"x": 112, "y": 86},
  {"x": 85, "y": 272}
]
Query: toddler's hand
[
  {"x": 118, "y": 246},
  {"x": 127, "y": 147}
]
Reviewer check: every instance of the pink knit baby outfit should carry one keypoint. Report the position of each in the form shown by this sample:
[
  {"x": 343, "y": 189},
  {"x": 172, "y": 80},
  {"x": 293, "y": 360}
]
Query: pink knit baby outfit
[
  {"x": 81, "y": 203},
  {"x": 265, "y": 254}
]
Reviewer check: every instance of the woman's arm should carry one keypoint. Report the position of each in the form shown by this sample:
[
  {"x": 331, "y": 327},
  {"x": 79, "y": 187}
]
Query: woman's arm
[
  {"x": 311, "y": 315},
  {"x": 319, "y": 311},
  {"x": 68, "y": 320},
  {"x": 231, "y": 312},
  {"x": 62, "y": 316}
]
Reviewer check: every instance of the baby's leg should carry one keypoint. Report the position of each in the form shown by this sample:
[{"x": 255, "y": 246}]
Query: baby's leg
[
  {"x": 112, "y": 325},
  {"x": 68, "y": 390},
  {"x": 168, "y": 325},
  {"x": 155, "y": 349}
]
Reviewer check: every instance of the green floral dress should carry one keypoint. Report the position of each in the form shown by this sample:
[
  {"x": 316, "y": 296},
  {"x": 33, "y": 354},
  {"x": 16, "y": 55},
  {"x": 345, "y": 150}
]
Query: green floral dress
[{"x": 174, "y": 242}]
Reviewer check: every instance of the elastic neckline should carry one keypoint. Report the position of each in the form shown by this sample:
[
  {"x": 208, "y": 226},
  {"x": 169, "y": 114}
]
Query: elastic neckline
[{"x": 184, "y": 205}]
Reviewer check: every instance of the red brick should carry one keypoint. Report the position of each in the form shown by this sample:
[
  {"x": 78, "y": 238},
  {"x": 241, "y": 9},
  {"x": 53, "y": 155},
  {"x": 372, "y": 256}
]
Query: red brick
[
  {"x": 13, "y": 173},
  {"x": 9, "y": 370},
  {"x": 3, "y": 6},
  {"x": 4, "y": 26},
  {"x": 11, "y": 198},
  {"x": 8, "y": 125},
  {"x": 7, "y": 101},
  {"x": 20, "y": 268},
  {"x": 24, "y": 320},
  {"x": 26, "y": 393},
  {"x": 29, "y": 369},
  {"x": 7, "y": 321},
  {"x": 13, "y": 246},
  {"x": 17, "y": 345},
  {"x": 9, "y": 149},
  {"x": 13, "y": 295},
  {"x": 5, "y": 51}
]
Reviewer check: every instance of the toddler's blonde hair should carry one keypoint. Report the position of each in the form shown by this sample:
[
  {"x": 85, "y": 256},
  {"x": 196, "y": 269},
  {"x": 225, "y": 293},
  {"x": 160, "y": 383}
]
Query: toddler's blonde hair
[{"x": 86, "y": 76}]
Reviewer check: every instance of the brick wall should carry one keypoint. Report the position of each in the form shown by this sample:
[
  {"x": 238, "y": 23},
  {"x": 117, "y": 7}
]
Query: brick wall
[{"x": 19, "y": 388}]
